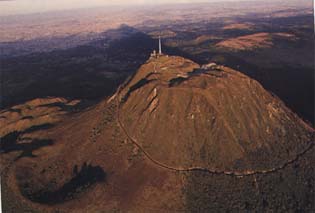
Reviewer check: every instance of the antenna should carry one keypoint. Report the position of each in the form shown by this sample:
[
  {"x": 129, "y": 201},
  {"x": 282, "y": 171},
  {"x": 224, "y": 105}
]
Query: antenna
[{"x": 160, "y": 46}]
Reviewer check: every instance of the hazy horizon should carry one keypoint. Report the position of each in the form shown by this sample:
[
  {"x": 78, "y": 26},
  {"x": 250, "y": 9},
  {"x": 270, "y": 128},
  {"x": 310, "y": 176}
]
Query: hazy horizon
[{"x": 19, "y": 7}]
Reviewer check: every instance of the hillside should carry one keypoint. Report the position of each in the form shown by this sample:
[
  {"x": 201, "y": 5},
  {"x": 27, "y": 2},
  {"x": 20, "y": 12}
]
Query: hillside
[
  {"x": 216, "y": 118},
  {"x": 173, "y": 137},
  {"x": 253, "y": 41}
]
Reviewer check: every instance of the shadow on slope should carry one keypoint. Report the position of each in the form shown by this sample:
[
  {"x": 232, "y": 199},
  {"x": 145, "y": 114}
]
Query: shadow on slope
[
  {"x": 11, "y": 142},
  {"x": 81, "y": 181}
]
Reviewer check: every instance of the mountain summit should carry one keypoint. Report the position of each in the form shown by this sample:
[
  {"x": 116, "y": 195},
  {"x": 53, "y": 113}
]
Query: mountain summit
[
  {"x": 143, "y": 149},
  {"x": 213, "y": 117}
]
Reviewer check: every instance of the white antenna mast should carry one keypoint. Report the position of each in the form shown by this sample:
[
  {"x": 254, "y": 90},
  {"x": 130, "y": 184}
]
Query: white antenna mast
[{"x": 160, "y": 46}]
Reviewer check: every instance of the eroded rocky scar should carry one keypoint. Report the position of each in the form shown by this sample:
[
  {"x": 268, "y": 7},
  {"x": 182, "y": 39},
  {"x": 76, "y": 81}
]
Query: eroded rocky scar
[{"x": 136, "y": 86}]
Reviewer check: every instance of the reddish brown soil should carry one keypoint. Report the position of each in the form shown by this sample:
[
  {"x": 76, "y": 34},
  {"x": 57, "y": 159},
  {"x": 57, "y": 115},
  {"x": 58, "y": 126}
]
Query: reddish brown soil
[
  {"x": 216, "y": 119},
  {"x": 221, "y": 119}
]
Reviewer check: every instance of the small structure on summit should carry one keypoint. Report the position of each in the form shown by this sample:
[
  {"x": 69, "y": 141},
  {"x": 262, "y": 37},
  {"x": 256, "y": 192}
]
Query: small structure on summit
[
  {"x": 154, "y": 54},
  {"x": 209, "y": 66}
]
